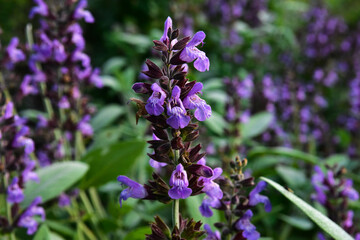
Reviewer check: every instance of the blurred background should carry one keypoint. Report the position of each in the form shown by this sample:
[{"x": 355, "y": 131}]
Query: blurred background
[{"x": 284, "y": 86}]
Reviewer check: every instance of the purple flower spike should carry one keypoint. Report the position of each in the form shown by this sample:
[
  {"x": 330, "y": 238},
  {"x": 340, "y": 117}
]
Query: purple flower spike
[
  {"x": 193, "y": 101},
  {"x": 155, "y": 102},
  {"x": 210, "y": 234},
  {"x": 255, "y": 197},
  {"x": 190, "y": 53},
  {"x": 167, "y": 26},
  {"x": 14, "y": 192},
  {"x": 244, "y": 224},
  {"x": 15, "y": 55},
  {"x": 349, "y": 191},
  {"x": 176, "y": 111},
  {"x": 134, "y": 190},
  {"x": 179, "y": 183},
  {"x": 41, "y": 9},
  {"x": 27, "y": 218},
  {"x": 81, "y": 13}
]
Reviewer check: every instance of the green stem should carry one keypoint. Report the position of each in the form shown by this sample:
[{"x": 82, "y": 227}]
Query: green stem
[
  {"x": 87, "y": 205},
  {"x": 176, "y": 213},
  {"x": 96, "y": 202},
  {"x": 175, "y": 209},
  {"x": 86, "y": 230}
]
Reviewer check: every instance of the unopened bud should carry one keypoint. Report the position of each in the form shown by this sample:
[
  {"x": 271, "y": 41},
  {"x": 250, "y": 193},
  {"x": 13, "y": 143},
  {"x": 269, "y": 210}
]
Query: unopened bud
[{"x": 141, "y": 87}]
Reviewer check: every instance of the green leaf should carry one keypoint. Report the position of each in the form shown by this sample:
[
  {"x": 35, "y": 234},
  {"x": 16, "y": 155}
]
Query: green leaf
[
  {"x": 283, "y": 151},
  {"x": 60, "y": 227},
  {"x": 298, "y": 222},
  {"x": 107, "y": 163},
  {"x": 292, "y": 176},
  {"x": 106, "y": 116},
  {"x": 341, "y": 159},
  {"x": 111, "y": 82},
  {"x": 54, "y": 180},
  {"x": 256, "y": 125},
  {"x": 43, "y": 233},
  {"x": 54, "y": 236},
  {"x": 213, "y": 84},
  {"x": 321, "y": 220},
  {"x": 138, "y": 234},
  {"x": 216, "y": 123},
  {"x": 106, "y": 136},
  {"x": 31, "y": 114},
  {"x": 113, "y": 64}
]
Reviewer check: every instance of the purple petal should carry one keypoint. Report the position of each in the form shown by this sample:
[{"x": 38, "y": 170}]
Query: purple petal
[
  {"x": 202, "y": 64},
  {"x": 177, "y": 192},
  {"x": 197, "y": 39}
]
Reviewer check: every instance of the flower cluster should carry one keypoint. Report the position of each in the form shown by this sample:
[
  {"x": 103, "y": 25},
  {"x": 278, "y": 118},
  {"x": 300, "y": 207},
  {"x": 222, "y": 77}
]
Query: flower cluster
[
  {"x": 173, "y": 106},
  {"x": 59, "y": 70},
  {"x": 299, "y": 98},
  {"x": 17, "y": 167},
  {"x": 334, "y": 191},
  {"x": 236, "y": 204}
]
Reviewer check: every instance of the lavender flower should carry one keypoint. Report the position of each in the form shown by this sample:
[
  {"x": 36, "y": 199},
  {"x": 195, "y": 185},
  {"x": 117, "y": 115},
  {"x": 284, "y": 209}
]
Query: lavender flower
[
  {"x": 193, "y": 101},
  {"x": 28, "y": 173},
  {"x": 255, "y": 197},
  {"x": 208, "y": 202},
  {"x": 64, "y": 200},
  {"x": 191, "y": 53},
  {"x": 14, "y": 192},
  {"x": 59, "y": 51},
  {"x": 81, "y": 13},
  {"x": 22, "y": 141},
  {"x": 134, "y": 190},
  {"x": 84, "y": 126},
  {"x": 27, "y": 218},
  {"x": 176, "y": 111},
  {"x": 210, "y": 234},
  {"x": 179, "y": 183},
  {"x": 349, "y": 191},
  {"x": 15, "y": 54},
  {"x": 211, "y": 188},
  {"x": 155, "y": 102},
  {"x": 244, "y": 224},
  {"x": 41, "y": 9}
]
